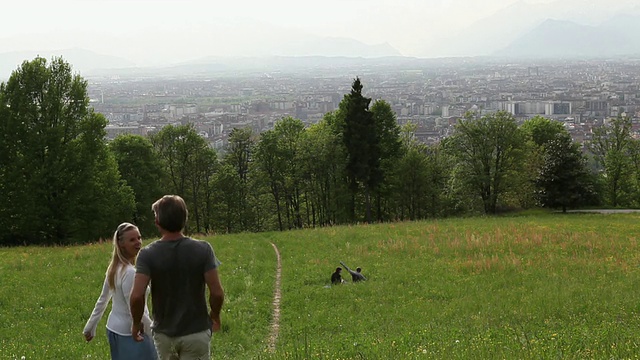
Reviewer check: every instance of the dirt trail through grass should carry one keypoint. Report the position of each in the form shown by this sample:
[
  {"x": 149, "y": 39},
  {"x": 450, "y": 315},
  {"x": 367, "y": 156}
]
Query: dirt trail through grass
[{"x": 275, "y": 322}]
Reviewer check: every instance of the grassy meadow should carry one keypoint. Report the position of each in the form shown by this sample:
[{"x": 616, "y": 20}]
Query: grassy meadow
[{"x": 533, "y": 286}]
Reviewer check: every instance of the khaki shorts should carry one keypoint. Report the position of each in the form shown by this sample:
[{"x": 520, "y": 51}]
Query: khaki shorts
[{"x": 189, "y": 347}]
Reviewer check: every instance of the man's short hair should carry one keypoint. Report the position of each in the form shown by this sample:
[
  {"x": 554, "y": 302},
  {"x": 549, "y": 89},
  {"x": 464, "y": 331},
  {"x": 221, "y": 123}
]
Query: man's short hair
[
  {"x": 338, "y": 269},
  {"x": 171, "y": 213}
]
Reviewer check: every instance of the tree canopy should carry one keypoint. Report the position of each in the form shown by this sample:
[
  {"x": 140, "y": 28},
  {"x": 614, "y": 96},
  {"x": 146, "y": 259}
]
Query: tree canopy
[{"x": 60, "y": 182}]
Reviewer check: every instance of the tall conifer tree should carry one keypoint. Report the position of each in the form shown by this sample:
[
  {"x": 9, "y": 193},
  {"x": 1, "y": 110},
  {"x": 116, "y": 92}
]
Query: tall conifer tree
[{"x": 362, "y": 144}]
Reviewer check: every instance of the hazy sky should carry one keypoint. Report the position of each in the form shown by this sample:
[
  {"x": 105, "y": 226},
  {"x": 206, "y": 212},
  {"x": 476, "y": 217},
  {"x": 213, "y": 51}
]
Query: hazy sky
[{"x": 172, "y": 30}]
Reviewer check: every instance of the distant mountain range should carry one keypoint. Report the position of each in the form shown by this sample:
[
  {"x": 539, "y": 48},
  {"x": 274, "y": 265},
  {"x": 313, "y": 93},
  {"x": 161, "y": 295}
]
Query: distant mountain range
[
  {"x": 268, "y": 65},
  {"x": 82, "y": 60},
  {"x": 310, "y": 45},
  {"x": 566, "y": 39},
  {"x": 557, "y": 29},
  {"x": 508, "y": 26},
  {"x": 307, "y": 47}
]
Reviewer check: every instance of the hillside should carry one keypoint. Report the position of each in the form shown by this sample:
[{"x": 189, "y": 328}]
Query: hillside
[{"x": 530, "y": 286}]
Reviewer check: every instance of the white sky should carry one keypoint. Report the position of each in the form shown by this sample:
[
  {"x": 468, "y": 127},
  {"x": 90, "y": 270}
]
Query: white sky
[{"x": 140, "y": 30}]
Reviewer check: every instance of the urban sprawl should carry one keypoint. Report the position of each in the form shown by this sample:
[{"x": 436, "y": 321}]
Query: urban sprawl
[{"x": 581, "y": 94}]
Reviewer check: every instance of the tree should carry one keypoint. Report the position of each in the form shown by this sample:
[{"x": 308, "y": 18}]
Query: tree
[
  {"x": 142, "y": 170},
  {"x": 563, "y": 180},
  {"x": 635, "y": 161},
  {"x": 60, "y": 183},
  {"x": 278, "y": 156},
  {"x": 611, "y": 146},
  {"x": 538, "y": 132},
  {"x": 239, "y": 156},
  {"x": 488, "y": 150},
  {"x": 269, "y": 163},
  {"x": 324, "y": 162},
  {"x": 227, "y": 187},
  {"x": 420, "y": 183},
  {"x": 541, "y": 130},
  {"x": 390, "y": 145},
  {"x": 362, "y": 144},
  {"x": 289, "y": 132},
  {"x": 411, "y": 188},
  {"x": 189, "y": 164}
]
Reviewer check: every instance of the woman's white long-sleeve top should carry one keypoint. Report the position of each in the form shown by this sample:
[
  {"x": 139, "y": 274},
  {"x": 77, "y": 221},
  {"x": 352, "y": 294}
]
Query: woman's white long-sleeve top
[{"x": 119, "y": 320}]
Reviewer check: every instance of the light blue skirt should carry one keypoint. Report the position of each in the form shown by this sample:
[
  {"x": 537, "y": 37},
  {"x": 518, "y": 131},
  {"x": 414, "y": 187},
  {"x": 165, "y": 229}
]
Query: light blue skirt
[{"x": 125, "y": 348}]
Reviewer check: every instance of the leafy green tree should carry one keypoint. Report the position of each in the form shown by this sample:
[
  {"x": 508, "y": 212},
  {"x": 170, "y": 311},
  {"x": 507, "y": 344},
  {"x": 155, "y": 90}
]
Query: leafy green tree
[
  {"x": 227, "y": 186},
  {"x": 611, "y": 146},
  {"x": 538, "y": 132},
  {"x": 189, "y": 164},
  {"x": 142, "y": 170},
  {"x": 420, "y": 184},
  {"x": 634, "y": 150},
  {"x": 324, "y": 163},
  {"x": 488, "y": 151},
  {"x": 388, "y": 133},
  {"x": 105, "y": 183},
  {"x": 60, "y": 183},
  {"x": 412, "y": 187},
  {"x": 269, "y": 164},
  {"x": 239, "y": 156},
  {"x": 541, "y": 130},
  {"x": 564, "y": 180},
  {"x": 205, "y": 164},
  {"x": 289, "y": 133},
  {"x": 278, "y": 156}
]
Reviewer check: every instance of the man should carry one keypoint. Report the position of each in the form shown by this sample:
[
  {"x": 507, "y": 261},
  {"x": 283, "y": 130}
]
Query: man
[
  {"x": 336, "y": 278},
  {"x": 355, "y": 275},
  {"x": 178, "y": 268}
]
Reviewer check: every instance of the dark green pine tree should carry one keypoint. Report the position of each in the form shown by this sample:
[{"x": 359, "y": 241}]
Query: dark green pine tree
[{"x": 363, "y": 146}]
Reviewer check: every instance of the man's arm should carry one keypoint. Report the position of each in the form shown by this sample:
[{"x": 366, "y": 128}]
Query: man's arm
[
  {"x": 136, "y": 300},
  {"x": 216, "y": 296},
  {"x": 347, "y": 268}
]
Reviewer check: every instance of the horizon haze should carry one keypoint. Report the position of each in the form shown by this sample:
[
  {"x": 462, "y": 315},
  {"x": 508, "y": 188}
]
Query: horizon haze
[{"x": 145, "y": 33}]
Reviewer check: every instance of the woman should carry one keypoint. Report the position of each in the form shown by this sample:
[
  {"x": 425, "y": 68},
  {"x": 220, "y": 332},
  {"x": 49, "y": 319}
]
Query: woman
[{"x": 117, "y": 286}]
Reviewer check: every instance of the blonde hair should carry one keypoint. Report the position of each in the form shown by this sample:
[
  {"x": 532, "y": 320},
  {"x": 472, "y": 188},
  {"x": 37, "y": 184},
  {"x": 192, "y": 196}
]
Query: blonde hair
[{"x": 117, "y": 259}]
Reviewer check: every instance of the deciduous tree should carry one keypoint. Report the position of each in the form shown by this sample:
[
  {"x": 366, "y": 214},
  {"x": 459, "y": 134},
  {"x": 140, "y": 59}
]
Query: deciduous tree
[
  {"x": 60, "y": 183},
  {"x": 142, "y": 170},
  {"x": 488, "y": 150},
  {"x": 189, "y": 164},
  {"x": 611, "y": 146}
]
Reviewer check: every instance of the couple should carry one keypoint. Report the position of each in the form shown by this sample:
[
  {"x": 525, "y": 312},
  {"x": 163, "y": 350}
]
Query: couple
[
  {"x": 178, "y": 269},
  {"x": 336, "y": 277}
]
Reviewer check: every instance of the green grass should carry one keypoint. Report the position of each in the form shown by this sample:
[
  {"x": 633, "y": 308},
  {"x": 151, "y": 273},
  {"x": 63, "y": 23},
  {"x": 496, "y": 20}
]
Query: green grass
[{"x": 533, "y": 286}]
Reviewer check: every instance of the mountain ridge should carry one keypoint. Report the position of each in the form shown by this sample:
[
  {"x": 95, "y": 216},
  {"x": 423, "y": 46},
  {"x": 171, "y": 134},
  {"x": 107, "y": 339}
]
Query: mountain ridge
[{"x": 567, "y": 39}]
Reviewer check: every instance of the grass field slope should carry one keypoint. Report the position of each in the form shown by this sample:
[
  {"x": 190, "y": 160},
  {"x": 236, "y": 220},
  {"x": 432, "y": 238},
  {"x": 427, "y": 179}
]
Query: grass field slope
[{"x": 533, "y": 286}]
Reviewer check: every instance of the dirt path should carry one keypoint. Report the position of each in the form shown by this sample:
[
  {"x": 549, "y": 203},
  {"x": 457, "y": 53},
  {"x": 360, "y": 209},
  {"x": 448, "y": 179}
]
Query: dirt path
[
  {"x": 605, "y": 211},
  {"x": 275, "y": 322}
]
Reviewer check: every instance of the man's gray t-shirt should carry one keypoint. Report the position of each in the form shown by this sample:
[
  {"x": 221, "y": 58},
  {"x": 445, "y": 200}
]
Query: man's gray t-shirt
[{"x": 176, "y": 269}]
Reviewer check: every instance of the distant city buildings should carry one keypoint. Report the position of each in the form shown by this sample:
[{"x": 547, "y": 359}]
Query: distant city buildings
[{"x": 580, "y": 94}]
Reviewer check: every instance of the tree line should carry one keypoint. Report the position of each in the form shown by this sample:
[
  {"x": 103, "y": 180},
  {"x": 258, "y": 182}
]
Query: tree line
[{"x": 61, "y": 182}]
